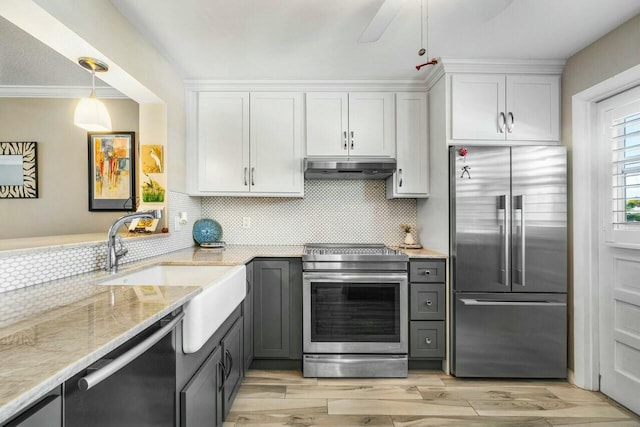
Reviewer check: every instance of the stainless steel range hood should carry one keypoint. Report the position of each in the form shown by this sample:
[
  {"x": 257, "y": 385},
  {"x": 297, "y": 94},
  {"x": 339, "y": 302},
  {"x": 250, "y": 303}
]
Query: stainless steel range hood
[{"x": 364, "y": 168}]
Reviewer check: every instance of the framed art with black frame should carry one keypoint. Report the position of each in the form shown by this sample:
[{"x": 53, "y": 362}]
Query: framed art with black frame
[{"x": 112, "y": 171}]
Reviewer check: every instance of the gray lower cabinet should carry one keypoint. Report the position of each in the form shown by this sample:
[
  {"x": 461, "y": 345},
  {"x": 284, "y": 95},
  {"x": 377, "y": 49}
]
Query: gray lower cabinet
[
  {"x": 232, "y": 363},
  {"x": 208, "y": 380},
  {"x": 277, "y": 299},
  {"x": 45, "y": 413},
  {"x": 200, "y": 399},
  {"x": 427, "y": 309},
  {"x": 247, "y": 315}
]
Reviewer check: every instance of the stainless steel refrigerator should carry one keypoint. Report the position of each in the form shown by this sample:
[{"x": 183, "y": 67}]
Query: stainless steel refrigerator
[{"x": 508, "y": 222}]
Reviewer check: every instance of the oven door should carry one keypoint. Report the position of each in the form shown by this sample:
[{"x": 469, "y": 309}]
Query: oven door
[{"x": 355, "y": 313}]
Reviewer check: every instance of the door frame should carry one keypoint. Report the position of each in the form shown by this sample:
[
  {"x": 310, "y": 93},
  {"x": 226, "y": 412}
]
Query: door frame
[{"x": 585, "y": 235}]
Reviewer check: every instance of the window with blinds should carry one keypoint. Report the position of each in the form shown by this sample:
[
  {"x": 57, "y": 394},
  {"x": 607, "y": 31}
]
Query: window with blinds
[{"x": 625, "y": 138}]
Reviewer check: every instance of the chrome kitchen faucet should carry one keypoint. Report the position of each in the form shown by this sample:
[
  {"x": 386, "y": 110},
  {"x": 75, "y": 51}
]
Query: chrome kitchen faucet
[{"x": 113, "y": 254}]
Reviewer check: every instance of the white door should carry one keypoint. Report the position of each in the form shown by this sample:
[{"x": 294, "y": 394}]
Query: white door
[
  {"x": 223, "y": 141},
  {"x": 619, "y": 248},
  {"x": 327, "y": 124},
  {"x": 276, "y": 143},
  {"x": 478, "y": 107},
  {"x": 372, "y": 124},
  {"x": 412, "y": 173},
  {"x": 533, "y": 108}
]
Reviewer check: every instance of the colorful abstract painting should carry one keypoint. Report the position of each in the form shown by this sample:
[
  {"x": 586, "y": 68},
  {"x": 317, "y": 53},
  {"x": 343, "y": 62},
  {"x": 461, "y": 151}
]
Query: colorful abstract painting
[{"x": 112, "y": 171}]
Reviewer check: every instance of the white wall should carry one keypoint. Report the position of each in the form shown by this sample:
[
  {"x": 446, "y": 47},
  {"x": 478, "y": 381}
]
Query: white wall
[{"x": 612, "y": 54}]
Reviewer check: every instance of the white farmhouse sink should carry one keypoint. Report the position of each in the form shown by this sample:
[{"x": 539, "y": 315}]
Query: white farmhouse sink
[{"x": 224, "y": 287}]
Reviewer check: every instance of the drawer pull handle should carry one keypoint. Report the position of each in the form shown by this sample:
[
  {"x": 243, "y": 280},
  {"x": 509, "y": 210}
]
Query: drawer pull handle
[
  {"x": 426, "y": 272},
  {"x": 427, "y": 340},
  {"x": 428, "y": 302}
]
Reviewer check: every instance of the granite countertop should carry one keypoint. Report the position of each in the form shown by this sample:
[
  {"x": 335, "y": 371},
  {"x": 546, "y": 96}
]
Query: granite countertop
[
  {"x": 52, "y": 331},
  {"x": 422, "y": 253}
]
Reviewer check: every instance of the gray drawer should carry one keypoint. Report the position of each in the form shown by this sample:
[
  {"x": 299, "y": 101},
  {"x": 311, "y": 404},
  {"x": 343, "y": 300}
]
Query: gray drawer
[
  {"x": 427, "y": 301},
  {"x": 427, "y": 339},
  {"x": 427, "y": 271}
]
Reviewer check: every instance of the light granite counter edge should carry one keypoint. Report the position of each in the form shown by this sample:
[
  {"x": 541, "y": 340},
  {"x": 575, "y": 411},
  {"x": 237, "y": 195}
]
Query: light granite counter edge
[{"x": 21, "y": 402}]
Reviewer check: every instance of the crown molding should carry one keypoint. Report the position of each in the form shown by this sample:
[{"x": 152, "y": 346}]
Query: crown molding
[
  {"x": 493, "y": 66},
  {"x": 12, "y": 91},
  {"x": 194, "y": 85}
]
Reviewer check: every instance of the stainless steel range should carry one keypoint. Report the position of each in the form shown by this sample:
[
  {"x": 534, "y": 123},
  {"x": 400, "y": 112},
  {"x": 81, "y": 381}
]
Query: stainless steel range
[{"x": 354, "y": 311}]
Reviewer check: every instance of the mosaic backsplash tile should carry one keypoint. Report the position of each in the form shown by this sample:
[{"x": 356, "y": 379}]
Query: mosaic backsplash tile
[
  {"x": 332, "y": 211},
  {"x": 27, "y": 268}
]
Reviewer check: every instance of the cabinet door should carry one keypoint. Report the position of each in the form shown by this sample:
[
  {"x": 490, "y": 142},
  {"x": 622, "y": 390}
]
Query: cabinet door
[
  {"x": 271, "y": 297},
  {"x": 533, "y": 108},
  {"x": 412, "y": 174},
  {"x": 478, "y": 106},
  {"x": 223, "y": 141},
  {"x": 276, "y": 143},
  {"x": 233, "y": 363},
  {"x": 199, "y": 405},
  {"x": 371, "y": 124},
  {"x": 327, "y": 124},
  {"x": 247, "y": 316}
]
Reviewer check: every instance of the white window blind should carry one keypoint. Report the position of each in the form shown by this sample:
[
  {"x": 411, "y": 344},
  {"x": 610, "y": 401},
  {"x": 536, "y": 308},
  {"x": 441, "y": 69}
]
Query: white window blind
[{"x": 625, "y": 167}]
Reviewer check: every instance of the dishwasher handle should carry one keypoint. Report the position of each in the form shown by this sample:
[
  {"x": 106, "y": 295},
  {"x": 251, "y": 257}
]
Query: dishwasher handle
[{"x": 96, "y": 377}]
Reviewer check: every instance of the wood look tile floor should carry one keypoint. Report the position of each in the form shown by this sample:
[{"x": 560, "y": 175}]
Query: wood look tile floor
[{"x": 425, "y": 398}]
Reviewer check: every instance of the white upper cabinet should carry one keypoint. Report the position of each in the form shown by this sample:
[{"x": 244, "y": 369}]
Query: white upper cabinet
[
  {"x": 327, "y": 124},
  {"x": 412, "y": 174},
  {"x": 223, "y": 142},
  {"x": 354, "y": 124},
  {"x": 246, "y": 144},
  {"x": 499, "y": 107},
  {"x": 276, "y": 143}
]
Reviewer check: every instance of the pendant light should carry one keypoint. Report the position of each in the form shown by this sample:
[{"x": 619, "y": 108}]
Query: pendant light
[{"x": 91, "y": 114}]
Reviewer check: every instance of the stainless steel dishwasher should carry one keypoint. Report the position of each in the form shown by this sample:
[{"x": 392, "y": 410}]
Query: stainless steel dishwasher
[{"x": 134, "y": 385}]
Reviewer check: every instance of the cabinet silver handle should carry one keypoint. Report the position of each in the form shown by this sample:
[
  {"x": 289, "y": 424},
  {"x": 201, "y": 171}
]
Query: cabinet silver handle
[
  {"x": 96, "y": 377},
  {"x": 426, "y": 272},
  {"x": 428, "y": 302},
  {"x": 427, "y": 340},
  {"x": 220, "y": 375},
  {"x": 345, "y": 139},
  {"x": 352, "y": 140},
  {"x": 400, "y": 173},
  {"x": 253, "y": 176},
  {"x": 227, "y": 356},
  {"x": 502, "y": 122},
  {"x": 513, "y": 123},
  {"x": 245, "y": 176}
]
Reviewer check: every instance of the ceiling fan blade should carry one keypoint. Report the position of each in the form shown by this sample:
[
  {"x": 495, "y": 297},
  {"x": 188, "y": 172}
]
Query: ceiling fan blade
[{"x": 388, "y": 10}]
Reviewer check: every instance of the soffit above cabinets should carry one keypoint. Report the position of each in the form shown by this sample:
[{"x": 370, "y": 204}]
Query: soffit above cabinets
[{"x": 317, "y": 40}]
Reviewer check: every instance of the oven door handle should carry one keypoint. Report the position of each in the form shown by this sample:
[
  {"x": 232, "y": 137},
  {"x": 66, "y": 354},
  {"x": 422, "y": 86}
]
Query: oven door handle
[{"x": 354, "y": 277}]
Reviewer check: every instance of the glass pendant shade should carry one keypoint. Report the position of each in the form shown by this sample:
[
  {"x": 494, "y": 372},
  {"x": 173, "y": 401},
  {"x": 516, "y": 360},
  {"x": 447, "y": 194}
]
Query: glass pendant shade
[{"x": 91, "y": 114}]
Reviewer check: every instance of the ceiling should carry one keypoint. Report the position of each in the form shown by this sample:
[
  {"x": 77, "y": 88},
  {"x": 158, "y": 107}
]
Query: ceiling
[
  {"x": 25, "y": 61},
  {"x": 317, "y": 39}
]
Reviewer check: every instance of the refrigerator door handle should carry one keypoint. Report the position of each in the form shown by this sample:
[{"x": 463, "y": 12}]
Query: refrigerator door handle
[
  {"x": 504, "y": 265},
  {"x": 520, "y": 267},
  {"x": 470, "y": 301}
]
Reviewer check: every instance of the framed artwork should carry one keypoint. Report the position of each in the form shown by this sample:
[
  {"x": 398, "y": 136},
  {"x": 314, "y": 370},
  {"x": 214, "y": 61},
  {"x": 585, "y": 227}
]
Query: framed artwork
[
  {"x": 112, "y": 174},
  {"x": 151, "y": 159},
  {"x": 18, "y": 170}
]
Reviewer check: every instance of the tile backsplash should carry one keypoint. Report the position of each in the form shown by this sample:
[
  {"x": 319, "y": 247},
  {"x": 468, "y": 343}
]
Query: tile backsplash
[
  {"x": 30, "y": 267},
  {"x": 332, "y": 211}
]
